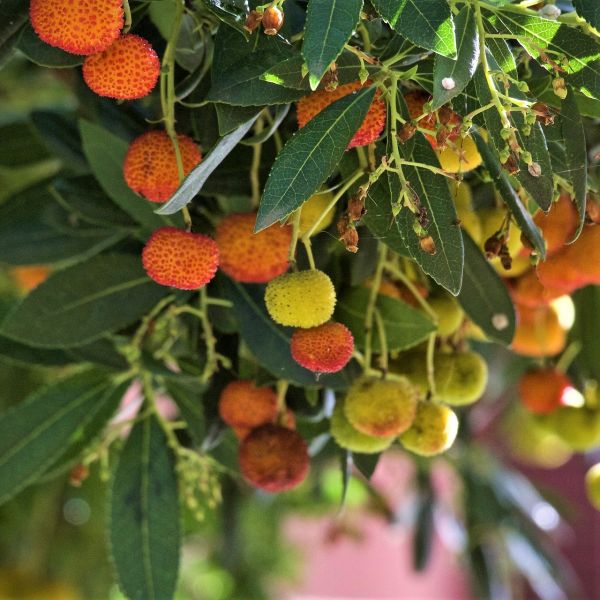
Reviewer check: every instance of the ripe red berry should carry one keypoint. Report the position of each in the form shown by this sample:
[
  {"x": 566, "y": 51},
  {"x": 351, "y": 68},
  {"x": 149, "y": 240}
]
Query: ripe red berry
[
  {"x": 542, "y": 391},
  {"x": 243, "y": 405},
  {"x": 128, "y": 69},
  {"x": 179, "y": 259},
  {"x": 274, "y": 458},
  {"x": 77, "y": 26},
  {"x": 323, "y": 349},
  {"x": 150, "y": 166}
]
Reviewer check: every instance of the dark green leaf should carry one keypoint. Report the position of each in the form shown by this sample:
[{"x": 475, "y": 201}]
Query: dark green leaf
[
  {"x": 79, "y": 304},
  {"x": 35, "y": 433},
  {"x": 366, "y": 463},
  {"x": 427, "y": 23},
  {"x": 310, "y": 156},
  {"x": 484, "y": 297},
  {"x": 588, "y": 10},
  {"x": 231, "y": 117},
  {"x": 144, "y": 529},
  {"x": 586, "y": 331},
  {"x": 329, "y": 25},
  {"x": 13, "y": 15},
  {"x": 346, "y": 465},
  {"x": 424, "y": 526},
  {"x": 189, "y": 401},
  {"x": 463, "y": 68},
  {"x": 20, "y": 145},
  {"x": 100, "y": 352},
  {"x": 20, "y": 354},
  {"x": 44, "y": 55}
]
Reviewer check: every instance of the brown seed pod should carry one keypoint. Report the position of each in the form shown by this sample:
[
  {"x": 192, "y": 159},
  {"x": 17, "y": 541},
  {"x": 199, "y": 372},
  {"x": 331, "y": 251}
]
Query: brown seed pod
[{"x": 272, "y": 20}]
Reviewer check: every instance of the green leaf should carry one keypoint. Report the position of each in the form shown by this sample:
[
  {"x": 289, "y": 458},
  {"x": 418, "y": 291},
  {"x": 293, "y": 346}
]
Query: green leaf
[
  {"x": 588, "y": 10},
  {"x": 329, "y": 25},
  {"x": 13, "y": 15},
  {"x": 44, "y": 55},
  {"x": 20, "y": 145},
  {"x": 310, "y": 156},
  {"x": 35, "y": 433},
  {"x": 510, "y": 197},
  {"x": 195, "y": 180},
  {"x": 20, "y": 354},
  {"x": 573, "y": 134},
  {"x": 405, "y": 326},
  {"x": 189, "y": 401},
  {"x": 586, "y": 331},
  {"x": 106, "y": 153},
  {"x": 79, "y": 304},
  {"x": 427, "y": 23},
  {"x": 424, "y": 527},
  {"x": 463, "y": 68},
  {"x": 144, "y": 528},
  {"x": 484, "y": 297},
  {"x": 270, "y": 343},
  {"x": 231, "y": 117}
]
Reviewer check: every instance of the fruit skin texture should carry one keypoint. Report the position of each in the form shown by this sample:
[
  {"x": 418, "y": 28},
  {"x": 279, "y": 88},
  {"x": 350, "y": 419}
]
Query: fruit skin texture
[
  {"x": 578, "y": 427},
  {"x": 527, "y": 290},
  {"x": 433, "y": 431},
  {"x": 176, "y": 258},
  {"x": 273, "y": 458},
  {"x": 312, "y": 210},
  {"x": 371, "y": 128},
  {"x": 538, "y": 333},
  {"x": 251, "y": 257},
  {"x": 323, "y": 349},
  {"x": 126, "y": 70},
  {"x": 592, "y": 485},
  {"x": 381, "y": 408},
  {"x": 463, "y": 202},
  {"x": 449, "y": 313},
  {"x": 242, "y": 404},
  {"x": 304, "y": 299},
  {"x": 464, "y": 157},
  {"x": 542, "y": 391},
  {"x": 150, "y": 166},
  {"x": 79, "y": 27},
  {"x": 350, "y": 438}
]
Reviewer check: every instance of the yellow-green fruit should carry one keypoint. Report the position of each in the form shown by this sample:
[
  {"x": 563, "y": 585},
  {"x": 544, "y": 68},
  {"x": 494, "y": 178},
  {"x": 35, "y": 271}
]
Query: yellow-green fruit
[
  {"x": 381, "y": 408},
  {"x": 312, "y": 210},
  {"x": 449, "y": 314},
  {"x": 461, "y": 159},
  {"x": 592, "y": 486},
  {"x": 304, "y": 299},
  {"x": 469, "y": 219},
  {"x": 579, "y": 427},
  {"x": 433, "y": 431},
  {"x": 350, "y": 438}
]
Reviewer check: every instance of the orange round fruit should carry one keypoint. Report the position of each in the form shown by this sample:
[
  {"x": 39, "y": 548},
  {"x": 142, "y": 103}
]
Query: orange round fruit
[
  {"x": 79, "y": 27},
  {"x": 527, "y": 290},
  {"x": 128, "y": 69},
  {"x": 559, "y": 224},
  {"x": 242, "y": 404},
  {"x": 179, "y": 259},
  {"x": 251, "y": 257},
  {"x": 150, "y": 166},
  {"x": 274, "y": 458},
  {"x": 538, "y": 332},
  {"x": 542, "y": 391},
  {"x": 326, "y": 348},
  {"x": 372, "y": 126}
]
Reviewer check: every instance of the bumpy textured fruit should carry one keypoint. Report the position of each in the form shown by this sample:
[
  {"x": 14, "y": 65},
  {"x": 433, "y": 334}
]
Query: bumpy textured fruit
[
  {"x": 592, "y": 485},
  {"x": 150, "y": 166},
  {"x": 242, "y": 404},
  {"x": 381, "y": 408},
  {"x": 29, "y": 277},
  {"x": 274, "y": 458},
  {"x": 312, "y": 210},
  {"x": 559, "y": 224},
  {"x": 351, "y": 439},
  {"x": 460, "y": 157},
  {"x": 449, "y": 314},
  {"x": 371, "y": 127},
  {"x": 304, "y": 299},
  {"x": 433, "y": 431},
  {"x": 538, "y": 332},
  {"x": 323, "y": 349},
  {"x": 128, "y": 69},
  {"x": 187, "y": 261},
  {"x": 252, "y": 257},
  {"x": 415, "y": 102},
  {"x": 579, "y": 427},
  {"x": 463, "y": 202},
  {"x": 78, "y": 27},
  {"x": 544, "y": 390}
]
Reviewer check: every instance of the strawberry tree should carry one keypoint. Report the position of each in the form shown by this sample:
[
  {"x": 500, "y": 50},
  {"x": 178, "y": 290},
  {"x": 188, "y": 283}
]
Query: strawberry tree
[{"x": 245, "y": 242}]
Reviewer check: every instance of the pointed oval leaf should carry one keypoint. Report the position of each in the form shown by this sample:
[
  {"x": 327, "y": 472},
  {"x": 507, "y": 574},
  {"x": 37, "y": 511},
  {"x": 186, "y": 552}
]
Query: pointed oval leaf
[{"x": 588, "y": 10}]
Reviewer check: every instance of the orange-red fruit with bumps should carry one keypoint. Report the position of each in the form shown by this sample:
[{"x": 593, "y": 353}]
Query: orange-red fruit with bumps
[
  {"x": 539, "y": 332},
  {"x": 274, "y": 458},
  {"x": 180, "y": 259},
  {"x": 323, "y": 349},
  {"x": 252, "y": 257},
  {"x": 242, "y": 404},
  {"x": 559, "y": 224},
  {"x": 371, "y": 127},
  {"x": 128, "y": 69},
  {"x": 287, "y": 420},
  {"x": 77, "y": 26},
  {"x": 415, "y": 102},
  {"x": 527, "y": 290},
  {"x": 150, "y": 166},
  {"x": 542, "y": 391}
]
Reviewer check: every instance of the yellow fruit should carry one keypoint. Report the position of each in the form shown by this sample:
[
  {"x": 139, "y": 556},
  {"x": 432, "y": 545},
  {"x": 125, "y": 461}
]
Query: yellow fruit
[
  {"x": 461, "y": 158},
  {"x": 312, "y": 210},
  {"x": 449, "y": 314},
  {"x": 592, "y": 486},
  {"x": 463, "y": 202},
  {"x": 381, "y": 408},
  {"x": 579, "y": 427},
  {"x": 350, "y": 438},
  {"x": 304, "y": 299},
  {"x": 433, "y": 431}
]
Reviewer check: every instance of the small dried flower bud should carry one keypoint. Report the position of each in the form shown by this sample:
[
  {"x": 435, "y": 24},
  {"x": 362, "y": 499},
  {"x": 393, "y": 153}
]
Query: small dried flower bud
[
  {"x": 272, "y": 20},
  {"x": 79, "y": 473},
  {"x": 534, "y": 169},
  {"x": 330, "y": 80},
  {"x": 356, "y": 207},
  {"x": 560, "y": 87},
  {"x": 342, "y": 225},
  {"x": 493, "y": 245},
  {"x": 593, "y": 208},
  {"x": 423, "y": 217},
  {"x": 505, "y": 257},
  {"x": 543, "y": 113},
  {"x": 350, "y": 239},
  {"x": 252, "y": 21},
  {"x": 445, "y": 115},
  {"x": 428, "y": 245},
  {"x": 407, "y": 131}
]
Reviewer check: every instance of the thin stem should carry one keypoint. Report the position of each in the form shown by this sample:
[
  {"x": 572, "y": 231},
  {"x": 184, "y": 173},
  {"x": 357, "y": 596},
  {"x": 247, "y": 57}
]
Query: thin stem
[
  {"x": 282, "y": 388},
  {"x": 431, "y": 364},
  {"x": 309, "y": 253},
  {"x": 295, "y": 234},
  {"x": 383, "y": 357},
  {"x": 399, "y": 274},
  {"x": 212, "y": 359},
  {"x": 128, "y": 20},
  {"x": 370, "y": 312},
  {"x": 255, "y": 166},
  {"x": 150, "y": 396}
]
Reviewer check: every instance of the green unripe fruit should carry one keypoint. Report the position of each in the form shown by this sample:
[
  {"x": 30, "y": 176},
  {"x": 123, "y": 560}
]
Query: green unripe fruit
[
  {"x": 304, "y": 299},
  {"x": 350, "y": 438},
  {"x": 449, "y": 314},
  {"x": 381, "y": 408},
  {"x": 579, "y": 427},
  {"x": 592, "y": 486},
  {"x": 433, "y": 431}
]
